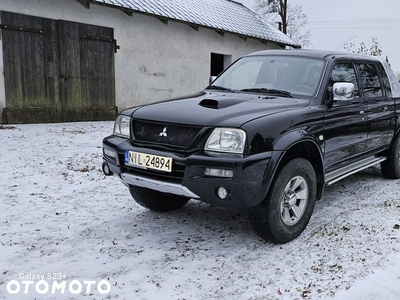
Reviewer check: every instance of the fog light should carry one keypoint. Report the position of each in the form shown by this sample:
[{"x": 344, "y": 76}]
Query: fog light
[
  {"x": 222, "y": 193},
  {"x": 110, "y": 153},
  {"x": 218, "y": 173},
  {"x": 106, "y": 169}
]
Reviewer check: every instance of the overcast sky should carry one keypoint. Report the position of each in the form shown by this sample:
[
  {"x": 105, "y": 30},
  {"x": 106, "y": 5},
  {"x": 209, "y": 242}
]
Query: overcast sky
[{"x": 336, "y": 22}]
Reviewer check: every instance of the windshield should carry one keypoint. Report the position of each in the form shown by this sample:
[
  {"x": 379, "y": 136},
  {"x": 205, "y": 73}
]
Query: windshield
[{"x": 271, "y": 74}]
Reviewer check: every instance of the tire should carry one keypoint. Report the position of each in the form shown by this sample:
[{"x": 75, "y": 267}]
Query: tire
[
  {"x": 155, "y": 200},
  {"x": 285, "y": 212},
  {"x": 391, "y": 167}
]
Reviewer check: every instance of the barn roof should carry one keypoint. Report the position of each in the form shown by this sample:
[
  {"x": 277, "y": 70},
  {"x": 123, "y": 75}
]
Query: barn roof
[{"x": 220, "y": 15}]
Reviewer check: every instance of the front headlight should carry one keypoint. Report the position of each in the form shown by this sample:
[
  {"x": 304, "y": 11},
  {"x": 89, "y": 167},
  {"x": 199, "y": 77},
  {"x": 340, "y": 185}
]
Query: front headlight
[
  {"x": 229, "y": 140},
  {"x": 121, "y": 126}
]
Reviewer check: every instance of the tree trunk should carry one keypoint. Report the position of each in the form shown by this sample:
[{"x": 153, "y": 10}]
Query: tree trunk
[{"x": 283, "y": 13}]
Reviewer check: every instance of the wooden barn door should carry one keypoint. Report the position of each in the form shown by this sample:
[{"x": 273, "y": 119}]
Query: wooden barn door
[
  {"x": 57, "y": 71},
  {"x": 86, "y": 71},
  {"x": 30, "y": 55}
]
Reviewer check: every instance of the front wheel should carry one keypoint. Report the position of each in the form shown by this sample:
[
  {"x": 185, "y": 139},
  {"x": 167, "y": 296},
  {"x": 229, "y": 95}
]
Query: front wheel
[
  {"x": 156, "y": 200},
  {"x": 391, "y": 167},
  {"x": 285, "y": 212}
]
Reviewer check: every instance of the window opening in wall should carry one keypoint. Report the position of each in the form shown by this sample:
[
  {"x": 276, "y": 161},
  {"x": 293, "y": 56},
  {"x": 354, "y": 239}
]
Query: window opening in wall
[{"x": 219, "y": 62}]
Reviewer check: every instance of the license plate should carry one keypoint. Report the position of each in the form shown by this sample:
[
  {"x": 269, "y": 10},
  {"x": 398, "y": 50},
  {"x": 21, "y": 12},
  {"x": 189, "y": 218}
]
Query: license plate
[{"x": 143, "y": 160}]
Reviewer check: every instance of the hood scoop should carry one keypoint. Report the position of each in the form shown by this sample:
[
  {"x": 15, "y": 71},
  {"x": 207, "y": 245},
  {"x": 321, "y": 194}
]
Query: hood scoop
[{"x": 215, "y": 104}]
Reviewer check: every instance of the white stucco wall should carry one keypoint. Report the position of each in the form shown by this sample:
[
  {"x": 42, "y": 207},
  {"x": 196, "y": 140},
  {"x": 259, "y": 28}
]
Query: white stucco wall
[{"x": 156, "y": 61}]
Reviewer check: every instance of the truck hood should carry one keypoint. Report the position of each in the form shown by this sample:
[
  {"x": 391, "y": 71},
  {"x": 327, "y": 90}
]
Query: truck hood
[{"x": 217, "y": 108}]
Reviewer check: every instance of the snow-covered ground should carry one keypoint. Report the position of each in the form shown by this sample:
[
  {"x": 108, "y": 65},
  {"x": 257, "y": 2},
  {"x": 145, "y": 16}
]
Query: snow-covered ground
[{"x": 61, "y": 216}]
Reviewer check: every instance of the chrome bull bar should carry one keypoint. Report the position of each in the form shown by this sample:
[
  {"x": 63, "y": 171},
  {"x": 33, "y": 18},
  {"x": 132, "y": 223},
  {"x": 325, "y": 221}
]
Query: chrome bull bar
[{"x": 161, "y": 186}]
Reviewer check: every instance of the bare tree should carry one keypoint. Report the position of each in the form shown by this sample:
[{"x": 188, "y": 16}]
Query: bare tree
[
  {"x": 291, "y": 20},
  {"x": 296, "y": 24},
  {"x": 265, "y": 7},
  {"x": 374, "y": 49}
]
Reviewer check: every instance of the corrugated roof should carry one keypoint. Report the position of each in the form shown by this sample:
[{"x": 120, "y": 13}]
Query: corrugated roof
[{"x": 221, "y": 15}]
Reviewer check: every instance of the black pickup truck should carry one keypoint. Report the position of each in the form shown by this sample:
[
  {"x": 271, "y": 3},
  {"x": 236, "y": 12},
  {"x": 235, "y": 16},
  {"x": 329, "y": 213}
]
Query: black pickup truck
[{"x": 267, "y": 136}]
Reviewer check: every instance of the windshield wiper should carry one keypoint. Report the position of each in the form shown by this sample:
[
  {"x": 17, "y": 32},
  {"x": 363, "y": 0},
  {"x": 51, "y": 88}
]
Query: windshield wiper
[
  {"x": 220, "y": 88},
  {"x": 269, "y": 91}
]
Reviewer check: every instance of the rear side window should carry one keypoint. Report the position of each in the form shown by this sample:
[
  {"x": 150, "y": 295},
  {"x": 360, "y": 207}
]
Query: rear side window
[{"x": 370, "y": 82}]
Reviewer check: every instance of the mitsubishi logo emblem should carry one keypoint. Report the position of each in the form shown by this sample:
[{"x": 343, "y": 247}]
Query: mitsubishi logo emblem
[{"x": 164, "y": 132}]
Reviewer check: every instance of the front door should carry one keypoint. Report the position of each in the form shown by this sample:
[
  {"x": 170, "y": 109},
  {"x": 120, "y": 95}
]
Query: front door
[{"x": 345, "y": 121}]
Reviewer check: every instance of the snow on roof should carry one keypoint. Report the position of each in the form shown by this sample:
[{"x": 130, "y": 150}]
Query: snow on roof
[{"x": 222, "y": 15}]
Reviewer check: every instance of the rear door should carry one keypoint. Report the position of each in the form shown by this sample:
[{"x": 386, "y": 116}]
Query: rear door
[{"x": 380, "y": 112}]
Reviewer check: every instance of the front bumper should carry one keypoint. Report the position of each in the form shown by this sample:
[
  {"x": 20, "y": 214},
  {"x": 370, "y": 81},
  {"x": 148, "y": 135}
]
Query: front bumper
[
  {"x": 245, "y": 189},
  {"x": 161, "y": 186}
]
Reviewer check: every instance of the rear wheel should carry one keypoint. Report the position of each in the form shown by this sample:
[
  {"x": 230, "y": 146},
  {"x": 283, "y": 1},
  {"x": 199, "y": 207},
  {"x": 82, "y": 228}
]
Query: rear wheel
[
  {"x": 391, "y": 166},
  {"x": 285, "y": 212},
  {"x": 155, "y": 200}
]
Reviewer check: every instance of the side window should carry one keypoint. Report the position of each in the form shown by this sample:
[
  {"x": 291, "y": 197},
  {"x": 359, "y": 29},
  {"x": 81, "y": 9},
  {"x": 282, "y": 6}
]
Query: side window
[
  {"x": 369, "y": 80},
  {"x": 344, "y": 72},
  {"x": 385, "y": 81}
]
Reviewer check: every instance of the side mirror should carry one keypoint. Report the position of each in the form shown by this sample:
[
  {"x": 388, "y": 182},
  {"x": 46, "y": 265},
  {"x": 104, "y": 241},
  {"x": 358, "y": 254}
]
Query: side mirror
[
  {"x": 211, "y": 79},
  {"x": 343, "y": 91}
]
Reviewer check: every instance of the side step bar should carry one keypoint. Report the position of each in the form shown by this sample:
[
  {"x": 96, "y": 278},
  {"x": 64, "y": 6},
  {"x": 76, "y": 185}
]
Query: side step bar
[{"x": 334, "y": 176}]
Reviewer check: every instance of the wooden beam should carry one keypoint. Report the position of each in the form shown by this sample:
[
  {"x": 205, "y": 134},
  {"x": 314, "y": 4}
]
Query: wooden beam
[
  {"x": 163, "y": 20},
  {"x": 127, "y": 12},
  {"x": 221, "y": 33},
  {"x": 195, "y": 27},
  {"x": 84, "y": 3}
]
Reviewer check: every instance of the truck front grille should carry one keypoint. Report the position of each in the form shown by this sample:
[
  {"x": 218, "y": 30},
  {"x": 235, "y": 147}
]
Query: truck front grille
[{"x": 164, "y": 133}]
